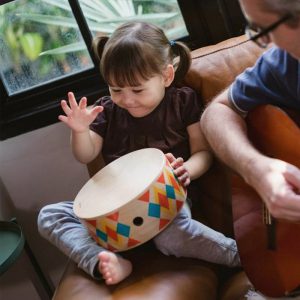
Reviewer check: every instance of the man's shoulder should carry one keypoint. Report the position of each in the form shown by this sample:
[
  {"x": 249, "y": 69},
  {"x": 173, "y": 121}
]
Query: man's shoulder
[{"x": 279, "y": 58}]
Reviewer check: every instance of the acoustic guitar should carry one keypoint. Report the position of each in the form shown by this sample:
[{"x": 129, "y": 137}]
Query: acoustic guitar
[{"x": 269, "y": 248}]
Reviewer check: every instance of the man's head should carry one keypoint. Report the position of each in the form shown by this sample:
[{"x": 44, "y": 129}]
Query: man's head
[{"x": 262, "y": 14}]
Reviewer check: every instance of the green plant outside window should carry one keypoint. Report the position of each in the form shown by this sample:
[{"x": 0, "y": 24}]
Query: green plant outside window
[{"x": 40, "y": 40}]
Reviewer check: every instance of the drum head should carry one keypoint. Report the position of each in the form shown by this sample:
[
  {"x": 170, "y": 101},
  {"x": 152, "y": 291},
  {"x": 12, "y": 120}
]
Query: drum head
[{"x": 118, "y": 183}]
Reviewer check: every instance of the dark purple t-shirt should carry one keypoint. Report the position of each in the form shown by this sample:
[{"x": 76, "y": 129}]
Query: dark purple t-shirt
[{"x": 164, "y": 128}]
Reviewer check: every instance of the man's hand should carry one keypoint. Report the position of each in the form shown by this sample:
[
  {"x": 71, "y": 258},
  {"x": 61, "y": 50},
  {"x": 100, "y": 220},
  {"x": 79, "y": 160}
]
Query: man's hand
[{"x": 278, "y": 183}]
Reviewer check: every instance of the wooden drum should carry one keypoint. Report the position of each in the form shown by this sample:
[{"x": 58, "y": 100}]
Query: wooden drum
[{"x": 130, "y": 200}]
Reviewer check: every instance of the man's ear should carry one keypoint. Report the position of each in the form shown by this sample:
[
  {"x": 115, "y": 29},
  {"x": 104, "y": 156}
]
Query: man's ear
[{"x": 169, "y": 74}]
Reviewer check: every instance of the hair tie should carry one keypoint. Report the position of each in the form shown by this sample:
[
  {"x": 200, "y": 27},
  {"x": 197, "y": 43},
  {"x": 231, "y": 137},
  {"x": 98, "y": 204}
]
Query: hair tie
[{"x": 172, "y": 43}]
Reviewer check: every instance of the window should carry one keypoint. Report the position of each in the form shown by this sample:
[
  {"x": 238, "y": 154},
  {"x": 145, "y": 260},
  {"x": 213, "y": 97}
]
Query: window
[
  {"x": 29, "y": 29},
  {"x": 45, "y": 49}
]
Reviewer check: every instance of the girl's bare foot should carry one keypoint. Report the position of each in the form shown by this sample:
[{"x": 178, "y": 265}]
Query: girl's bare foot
[{"x": 113, "y": 267}]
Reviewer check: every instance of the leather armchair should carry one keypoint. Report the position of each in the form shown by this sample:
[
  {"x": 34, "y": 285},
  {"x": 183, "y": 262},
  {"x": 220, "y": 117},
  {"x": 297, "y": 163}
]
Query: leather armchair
[{"x": 156, "y": 276}]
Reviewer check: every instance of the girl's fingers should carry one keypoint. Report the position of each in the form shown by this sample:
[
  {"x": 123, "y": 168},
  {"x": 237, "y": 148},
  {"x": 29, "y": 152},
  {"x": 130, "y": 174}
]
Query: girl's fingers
[
  {"x": 184, "y": 179},
  {"x": 72, "y": 101},
  {"x": 63, "y": 118},
  {"x": 97, "y": 109},
  {"x": 82, "y": 103},
  {"x": 170, "y": 157},
  {"x": 180, "y": 171},
  {"x": 65, "y": 107},
  {"x": 177, "y": 163}
]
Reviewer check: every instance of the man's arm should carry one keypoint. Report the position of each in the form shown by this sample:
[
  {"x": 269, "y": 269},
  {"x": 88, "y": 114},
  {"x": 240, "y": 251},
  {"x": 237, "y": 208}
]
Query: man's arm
[
  {"x": 277, "y": 182},
  {"x": 226, "y": 132}
]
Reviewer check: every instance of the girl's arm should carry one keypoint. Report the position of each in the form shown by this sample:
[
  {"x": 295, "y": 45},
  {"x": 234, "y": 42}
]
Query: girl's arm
[
  {"x": 201, "y": 158},
  {"x": 86, "y": 145},
  {"x": 199, "y": 161}
]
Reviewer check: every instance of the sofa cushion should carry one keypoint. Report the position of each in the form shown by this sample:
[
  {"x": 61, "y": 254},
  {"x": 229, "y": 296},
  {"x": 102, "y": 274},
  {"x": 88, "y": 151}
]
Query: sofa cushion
[{"x": 215, "y": 67}]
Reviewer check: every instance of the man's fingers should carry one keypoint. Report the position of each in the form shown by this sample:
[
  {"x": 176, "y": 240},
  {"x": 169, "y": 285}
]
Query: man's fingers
[{"x": 292, "y": 175}]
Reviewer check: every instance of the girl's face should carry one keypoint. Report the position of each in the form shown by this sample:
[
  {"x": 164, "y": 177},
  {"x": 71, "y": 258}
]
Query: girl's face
[{"x": 141, "y": 100}]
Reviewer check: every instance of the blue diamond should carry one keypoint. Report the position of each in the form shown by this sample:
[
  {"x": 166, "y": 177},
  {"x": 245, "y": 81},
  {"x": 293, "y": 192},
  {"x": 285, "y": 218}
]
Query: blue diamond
[
  {"x": 170, "y": 192},
  {"x": 101, "y": 235},
  {"x": 154, "y": 210},
  {"x": 123, "y": 229}
]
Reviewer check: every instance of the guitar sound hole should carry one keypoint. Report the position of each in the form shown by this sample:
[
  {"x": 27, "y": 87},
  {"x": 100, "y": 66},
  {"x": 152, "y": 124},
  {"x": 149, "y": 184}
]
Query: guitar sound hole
[{"x": 138, "y": 221}]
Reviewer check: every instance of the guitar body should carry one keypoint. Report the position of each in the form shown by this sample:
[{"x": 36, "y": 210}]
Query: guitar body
[{"x": 270, "y": 255}]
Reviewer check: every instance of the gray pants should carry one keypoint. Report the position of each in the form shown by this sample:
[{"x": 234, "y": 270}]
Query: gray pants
[{"x": 184, "y": 237}]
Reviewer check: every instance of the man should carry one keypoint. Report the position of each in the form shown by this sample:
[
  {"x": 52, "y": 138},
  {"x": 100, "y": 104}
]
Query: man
[{"x": 275, "y": 79}]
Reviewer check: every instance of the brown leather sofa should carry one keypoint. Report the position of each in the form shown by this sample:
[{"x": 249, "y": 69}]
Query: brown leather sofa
[{"x": 159, "y": 277}]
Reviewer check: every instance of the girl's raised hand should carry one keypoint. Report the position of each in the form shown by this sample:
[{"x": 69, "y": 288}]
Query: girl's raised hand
[
  {"x": 179, "y": 169},
  {"x": 78, "y": 117}
]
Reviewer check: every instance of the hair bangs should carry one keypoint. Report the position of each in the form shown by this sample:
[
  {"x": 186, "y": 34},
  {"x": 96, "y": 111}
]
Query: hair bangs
[{"x": 128, "y": 65}]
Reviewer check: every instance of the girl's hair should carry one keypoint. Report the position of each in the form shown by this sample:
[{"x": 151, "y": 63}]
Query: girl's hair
[{"x": 138, "y": 51}]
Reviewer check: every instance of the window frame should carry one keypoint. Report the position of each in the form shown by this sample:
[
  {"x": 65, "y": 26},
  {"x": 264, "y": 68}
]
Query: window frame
[{"x": 40, "y": 106}]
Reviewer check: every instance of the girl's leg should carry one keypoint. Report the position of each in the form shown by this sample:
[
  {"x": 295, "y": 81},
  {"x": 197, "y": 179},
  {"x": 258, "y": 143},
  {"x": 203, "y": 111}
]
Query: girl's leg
[
  {"x": 186, "y": 237},
  {"x": 58, "y": 224}
]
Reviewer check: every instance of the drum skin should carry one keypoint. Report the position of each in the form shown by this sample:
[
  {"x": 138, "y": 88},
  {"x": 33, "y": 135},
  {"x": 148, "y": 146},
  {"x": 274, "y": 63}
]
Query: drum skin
[{"x": 131, "y": 200}]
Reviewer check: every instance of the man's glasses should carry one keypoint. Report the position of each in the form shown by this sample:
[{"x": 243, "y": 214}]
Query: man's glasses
[{"x": 261, "y": 36}]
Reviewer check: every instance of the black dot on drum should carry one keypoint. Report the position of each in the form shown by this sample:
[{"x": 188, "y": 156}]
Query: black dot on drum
[{"x": 138, "y": 221}]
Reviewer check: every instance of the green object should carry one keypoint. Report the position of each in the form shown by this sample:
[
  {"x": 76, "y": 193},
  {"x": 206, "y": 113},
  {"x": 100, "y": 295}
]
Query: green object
[{"x": 11, "y": 244}]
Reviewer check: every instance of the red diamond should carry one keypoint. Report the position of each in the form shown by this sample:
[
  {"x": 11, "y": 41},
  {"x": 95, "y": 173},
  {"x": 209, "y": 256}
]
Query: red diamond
[
  {"x": 163, "y": 200},
  {"x": 111, "y": 233}
]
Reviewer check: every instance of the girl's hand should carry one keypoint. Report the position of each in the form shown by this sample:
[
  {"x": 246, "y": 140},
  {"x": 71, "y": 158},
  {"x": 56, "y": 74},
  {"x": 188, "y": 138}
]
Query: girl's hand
[
  {"x": 78, "y": 117},
  {"x": 179, "y": 169}
]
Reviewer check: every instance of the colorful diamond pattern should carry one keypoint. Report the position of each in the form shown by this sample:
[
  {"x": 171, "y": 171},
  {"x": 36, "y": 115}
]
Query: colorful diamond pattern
[{"x": 162, "y": 202}]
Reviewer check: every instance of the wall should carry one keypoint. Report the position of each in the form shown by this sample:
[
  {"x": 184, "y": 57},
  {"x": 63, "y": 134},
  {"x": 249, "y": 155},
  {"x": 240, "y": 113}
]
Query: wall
[{"x": 36, "y": 168}]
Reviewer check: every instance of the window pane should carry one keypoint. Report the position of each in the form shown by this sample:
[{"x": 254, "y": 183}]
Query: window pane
[
  {"x": 103, "y": 16},
  {"x": 39, "y": 42}
]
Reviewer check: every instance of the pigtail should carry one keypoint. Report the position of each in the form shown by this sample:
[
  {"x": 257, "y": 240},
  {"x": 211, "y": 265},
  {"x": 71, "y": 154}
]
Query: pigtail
[
  {"x": 183, "y": 59},
  {"x": 98, "y": 45}
]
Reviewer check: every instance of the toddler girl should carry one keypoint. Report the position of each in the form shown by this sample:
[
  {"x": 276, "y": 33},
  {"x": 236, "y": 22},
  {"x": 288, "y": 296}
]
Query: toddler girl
[{"x": 144, "y": 109}]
